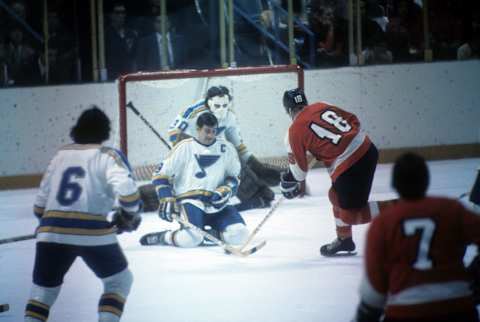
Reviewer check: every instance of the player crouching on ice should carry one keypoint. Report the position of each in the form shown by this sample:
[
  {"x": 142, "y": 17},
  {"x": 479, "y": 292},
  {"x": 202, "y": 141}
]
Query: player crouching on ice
[
  {"x": 196, "y": 181},
  {"x": 254, "y": 191}
]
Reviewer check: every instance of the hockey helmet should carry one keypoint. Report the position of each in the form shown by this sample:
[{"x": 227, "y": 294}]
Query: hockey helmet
[{"x": 294, "y": 99}]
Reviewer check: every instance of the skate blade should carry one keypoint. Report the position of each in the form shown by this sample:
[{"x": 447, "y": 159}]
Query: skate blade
[{"x": 342, "y": 254}]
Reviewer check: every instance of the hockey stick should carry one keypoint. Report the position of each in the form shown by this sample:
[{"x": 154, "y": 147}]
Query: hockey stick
[
  {"x": 267, "y": 216},
  {"x": 4, "y": 308},
  {"x": 229, "y": 248},
  {"x": 271, "y": 211},
  {"x": 137, "y": 112},
  {"x": 17, "y": 238}
]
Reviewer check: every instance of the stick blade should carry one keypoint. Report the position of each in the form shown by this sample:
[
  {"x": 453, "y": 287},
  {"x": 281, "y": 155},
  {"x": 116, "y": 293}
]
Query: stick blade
[{"x": 4, "y": 307}]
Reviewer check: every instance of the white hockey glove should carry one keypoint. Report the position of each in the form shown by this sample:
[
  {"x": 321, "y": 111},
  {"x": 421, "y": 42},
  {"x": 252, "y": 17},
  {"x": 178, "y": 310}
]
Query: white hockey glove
[
  {"x": 289, "y": 187},
  {"x": 220, "y": 196},
  {"x": 167, "y": 208},
  {"x": 126, "y": 221}
]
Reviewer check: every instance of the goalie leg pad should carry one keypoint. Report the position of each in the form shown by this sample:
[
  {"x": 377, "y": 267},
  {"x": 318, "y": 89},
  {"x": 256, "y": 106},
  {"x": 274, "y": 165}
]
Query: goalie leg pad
[
  {"x": 149, "y": 197},
  {"x": 115, "y": 291},
  {"x": 41, "y": 299},
  {"x": 235, "y": 234},
  {"x": 249, "y": 184},
  {"x": 270, "y": 175}
]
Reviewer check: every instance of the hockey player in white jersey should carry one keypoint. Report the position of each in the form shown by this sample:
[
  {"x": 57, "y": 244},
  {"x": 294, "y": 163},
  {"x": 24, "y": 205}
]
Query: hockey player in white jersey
[
  {"x": 254, "y": 191},
  {"x": 196, "y": 180},
  {"x": 77, "y": 192}
]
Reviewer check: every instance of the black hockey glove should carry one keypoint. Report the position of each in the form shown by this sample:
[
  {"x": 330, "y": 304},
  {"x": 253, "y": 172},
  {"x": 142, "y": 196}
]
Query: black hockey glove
[
  {"x": 220, "y": 196},
  {"x": 167, "y": 208},
  {"x": 289, "y": 187},
  {"x": 269, "y": 175},
  {"x": 126, "y": 221},
  {"x": 367, "y": 313}
]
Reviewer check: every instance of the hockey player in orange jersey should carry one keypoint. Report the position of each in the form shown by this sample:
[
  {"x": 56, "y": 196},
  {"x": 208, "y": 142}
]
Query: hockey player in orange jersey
[
  {"x": 414, "y": 268},
  {"x": 333, "y": 136}
]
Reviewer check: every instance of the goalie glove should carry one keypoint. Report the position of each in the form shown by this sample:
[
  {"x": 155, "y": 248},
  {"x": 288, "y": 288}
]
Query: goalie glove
[
  {"x": 269, "y": 175},
  {"x": 289, "y": 187},
  {"x": 126, "y": 221},
  {"x": 167, "y": 208}
]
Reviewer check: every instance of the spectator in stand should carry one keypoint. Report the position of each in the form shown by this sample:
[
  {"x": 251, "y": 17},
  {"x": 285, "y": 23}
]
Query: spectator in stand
[
  {"x": 3, "y": 62},
  {"x": 405, "y": 32},
  {"x": 19, "y": 8},
  {"x": 331, "y": 33},
  {"x": 374, "y": 38},
  {"x": 471, "y": 48},
  {"x": 22, "y": 60},
  {"x": 120, "y": 43},
  {"x": 143, "y": 23},
  {"x": 61, "y": 51},
  {"x": 150, "y": 49}
]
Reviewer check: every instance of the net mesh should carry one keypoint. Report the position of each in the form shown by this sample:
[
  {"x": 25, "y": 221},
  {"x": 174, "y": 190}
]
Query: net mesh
[{"x": 256, "y": 103}]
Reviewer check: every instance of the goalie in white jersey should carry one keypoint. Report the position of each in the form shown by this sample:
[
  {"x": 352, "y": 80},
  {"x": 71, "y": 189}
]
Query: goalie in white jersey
[
  {"x": 254, "y": 191},
  {"x": 196, "y": 180},
  {"x": 77, "y": 192}
]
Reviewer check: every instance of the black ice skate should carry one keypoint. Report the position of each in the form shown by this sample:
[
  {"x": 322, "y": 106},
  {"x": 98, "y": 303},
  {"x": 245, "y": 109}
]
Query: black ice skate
[
  {"x": 339, "y": 247},
  {"x": 154, "y": 239}
]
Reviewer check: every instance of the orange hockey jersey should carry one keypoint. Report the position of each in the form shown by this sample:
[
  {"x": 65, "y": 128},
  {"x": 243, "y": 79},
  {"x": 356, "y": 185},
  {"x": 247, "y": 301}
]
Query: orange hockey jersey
[
  {"x": 414, "y": 258},
  {"x": 330, "y": 134}
]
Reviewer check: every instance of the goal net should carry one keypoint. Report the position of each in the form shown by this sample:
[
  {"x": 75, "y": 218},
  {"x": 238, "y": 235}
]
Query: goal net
[{"x": 160, "y": 96}]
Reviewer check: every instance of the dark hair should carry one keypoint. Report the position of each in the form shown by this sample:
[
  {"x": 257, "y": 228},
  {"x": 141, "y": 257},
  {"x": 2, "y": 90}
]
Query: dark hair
[
  {"x": 93, "y": 126},
  {"x": 208, "y": 119},
  {"x": 217, "y": 91},
  {"x": 410, "y": 176}
]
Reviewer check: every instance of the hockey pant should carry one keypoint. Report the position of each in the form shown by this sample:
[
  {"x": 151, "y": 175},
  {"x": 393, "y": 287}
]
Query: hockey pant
[
  {"x": 228, "y": 222},
  {"x": 350, "y": 192},
  {"x": 107, "y": 262}
]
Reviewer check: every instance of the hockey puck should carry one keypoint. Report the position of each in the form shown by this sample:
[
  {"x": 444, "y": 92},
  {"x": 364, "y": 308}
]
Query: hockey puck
[{"x": 4, "y": 307}]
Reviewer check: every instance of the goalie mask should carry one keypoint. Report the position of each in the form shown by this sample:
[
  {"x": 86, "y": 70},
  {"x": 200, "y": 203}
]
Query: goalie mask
[{"x": 218, "y": 101}]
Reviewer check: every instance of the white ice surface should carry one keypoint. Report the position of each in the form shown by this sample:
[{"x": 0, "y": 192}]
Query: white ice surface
[{"x": 286, "y": 281}]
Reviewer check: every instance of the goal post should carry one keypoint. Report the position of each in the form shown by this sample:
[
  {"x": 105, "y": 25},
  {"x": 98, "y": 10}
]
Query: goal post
[{"x": 160, "y": 96}]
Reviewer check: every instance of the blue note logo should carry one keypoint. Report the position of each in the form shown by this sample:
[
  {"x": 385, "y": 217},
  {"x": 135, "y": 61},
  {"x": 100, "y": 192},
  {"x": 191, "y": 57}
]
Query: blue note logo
[{"x": 205, "y": 161}]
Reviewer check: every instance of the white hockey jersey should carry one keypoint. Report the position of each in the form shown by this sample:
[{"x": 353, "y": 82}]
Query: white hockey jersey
[
  {"x": 193, "y": 171},
  {"x": 78, "y": 191},
  {"x": 186, "y": 122}
]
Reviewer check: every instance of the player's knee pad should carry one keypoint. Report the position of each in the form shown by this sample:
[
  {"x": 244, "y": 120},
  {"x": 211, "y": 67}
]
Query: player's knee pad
[
  {"x": 115, "y": 291},
  {"x": 41, "y": 299},
  {"x": 186, "y": 238},
  {"x": 235, "y": 234}
]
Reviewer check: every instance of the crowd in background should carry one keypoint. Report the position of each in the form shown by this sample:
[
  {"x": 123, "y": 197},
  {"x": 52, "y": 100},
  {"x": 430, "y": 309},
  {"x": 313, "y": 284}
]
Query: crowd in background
[{"x": 59, "y": 50}]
